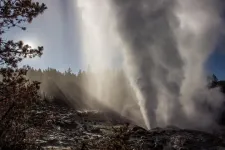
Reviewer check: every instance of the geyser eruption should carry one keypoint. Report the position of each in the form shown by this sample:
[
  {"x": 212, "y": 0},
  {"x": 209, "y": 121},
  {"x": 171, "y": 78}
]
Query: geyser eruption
[
  {"x": 101, "y": 50},
  {"x": 164, "y": 45}
]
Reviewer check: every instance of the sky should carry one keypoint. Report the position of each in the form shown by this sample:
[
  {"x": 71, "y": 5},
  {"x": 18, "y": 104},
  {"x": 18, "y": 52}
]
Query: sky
[
  {"x": 58, "y": 31},
  {"x": 216, "y": 62}
]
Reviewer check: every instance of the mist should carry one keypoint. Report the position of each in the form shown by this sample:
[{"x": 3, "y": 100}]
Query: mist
[{"x": 162, "y": 47}]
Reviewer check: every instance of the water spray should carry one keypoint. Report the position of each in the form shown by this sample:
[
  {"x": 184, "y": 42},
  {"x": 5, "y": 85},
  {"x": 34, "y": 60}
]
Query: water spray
[{"x": 164, "y": 45}]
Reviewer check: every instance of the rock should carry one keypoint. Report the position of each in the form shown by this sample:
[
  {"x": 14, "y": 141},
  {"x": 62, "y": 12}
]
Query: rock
[
  {"x": 73, "y": 131},
  {"x": 138, "y": 129},
  {"x": 96, "y": 130}
]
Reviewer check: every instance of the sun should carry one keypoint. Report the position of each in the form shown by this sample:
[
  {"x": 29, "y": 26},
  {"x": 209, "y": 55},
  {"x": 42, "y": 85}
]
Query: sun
[
  {"x": 30, "y": 43},
  {"x": 32, "y": 46}
]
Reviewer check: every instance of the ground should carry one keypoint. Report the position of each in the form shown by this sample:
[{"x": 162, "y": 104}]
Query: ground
[{"x": 67, "y": 128}]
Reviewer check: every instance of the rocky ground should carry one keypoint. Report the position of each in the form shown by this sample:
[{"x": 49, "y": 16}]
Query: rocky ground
[{"x": 66, "y": 128}]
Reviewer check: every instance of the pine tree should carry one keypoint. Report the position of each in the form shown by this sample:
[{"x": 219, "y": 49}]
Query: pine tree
[
  {"x": 212, "y": 81},
  {"x": 17, "y": 93},
  {"x": 214, "y": 78}
]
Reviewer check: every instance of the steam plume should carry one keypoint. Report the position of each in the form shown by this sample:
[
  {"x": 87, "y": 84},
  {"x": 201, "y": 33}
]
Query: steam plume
[{"x": 164, "y": 45}]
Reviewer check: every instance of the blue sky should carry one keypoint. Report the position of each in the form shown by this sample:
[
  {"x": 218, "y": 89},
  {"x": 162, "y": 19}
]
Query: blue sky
[
  {"x": 58, "y": 32},
  {"x": 216, "y": 62}
]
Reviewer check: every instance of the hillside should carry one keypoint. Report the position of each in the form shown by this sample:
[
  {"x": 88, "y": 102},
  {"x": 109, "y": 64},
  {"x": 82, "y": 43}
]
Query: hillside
[{"x": 69, "y": 129}]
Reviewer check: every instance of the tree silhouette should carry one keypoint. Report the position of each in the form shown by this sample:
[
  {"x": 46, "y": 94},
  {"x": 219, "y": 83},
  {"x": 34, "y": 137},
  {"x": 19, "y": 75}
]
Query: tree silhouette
[
  {"x": 214, "y": 78},
  {"x": 17, "y": 92},
  {"x": 212, "y": 81}
]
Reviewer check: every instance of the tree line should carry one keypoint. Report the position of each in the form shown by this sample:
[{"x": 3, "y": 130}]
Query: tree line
[{"x": 77, "y": 89}]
